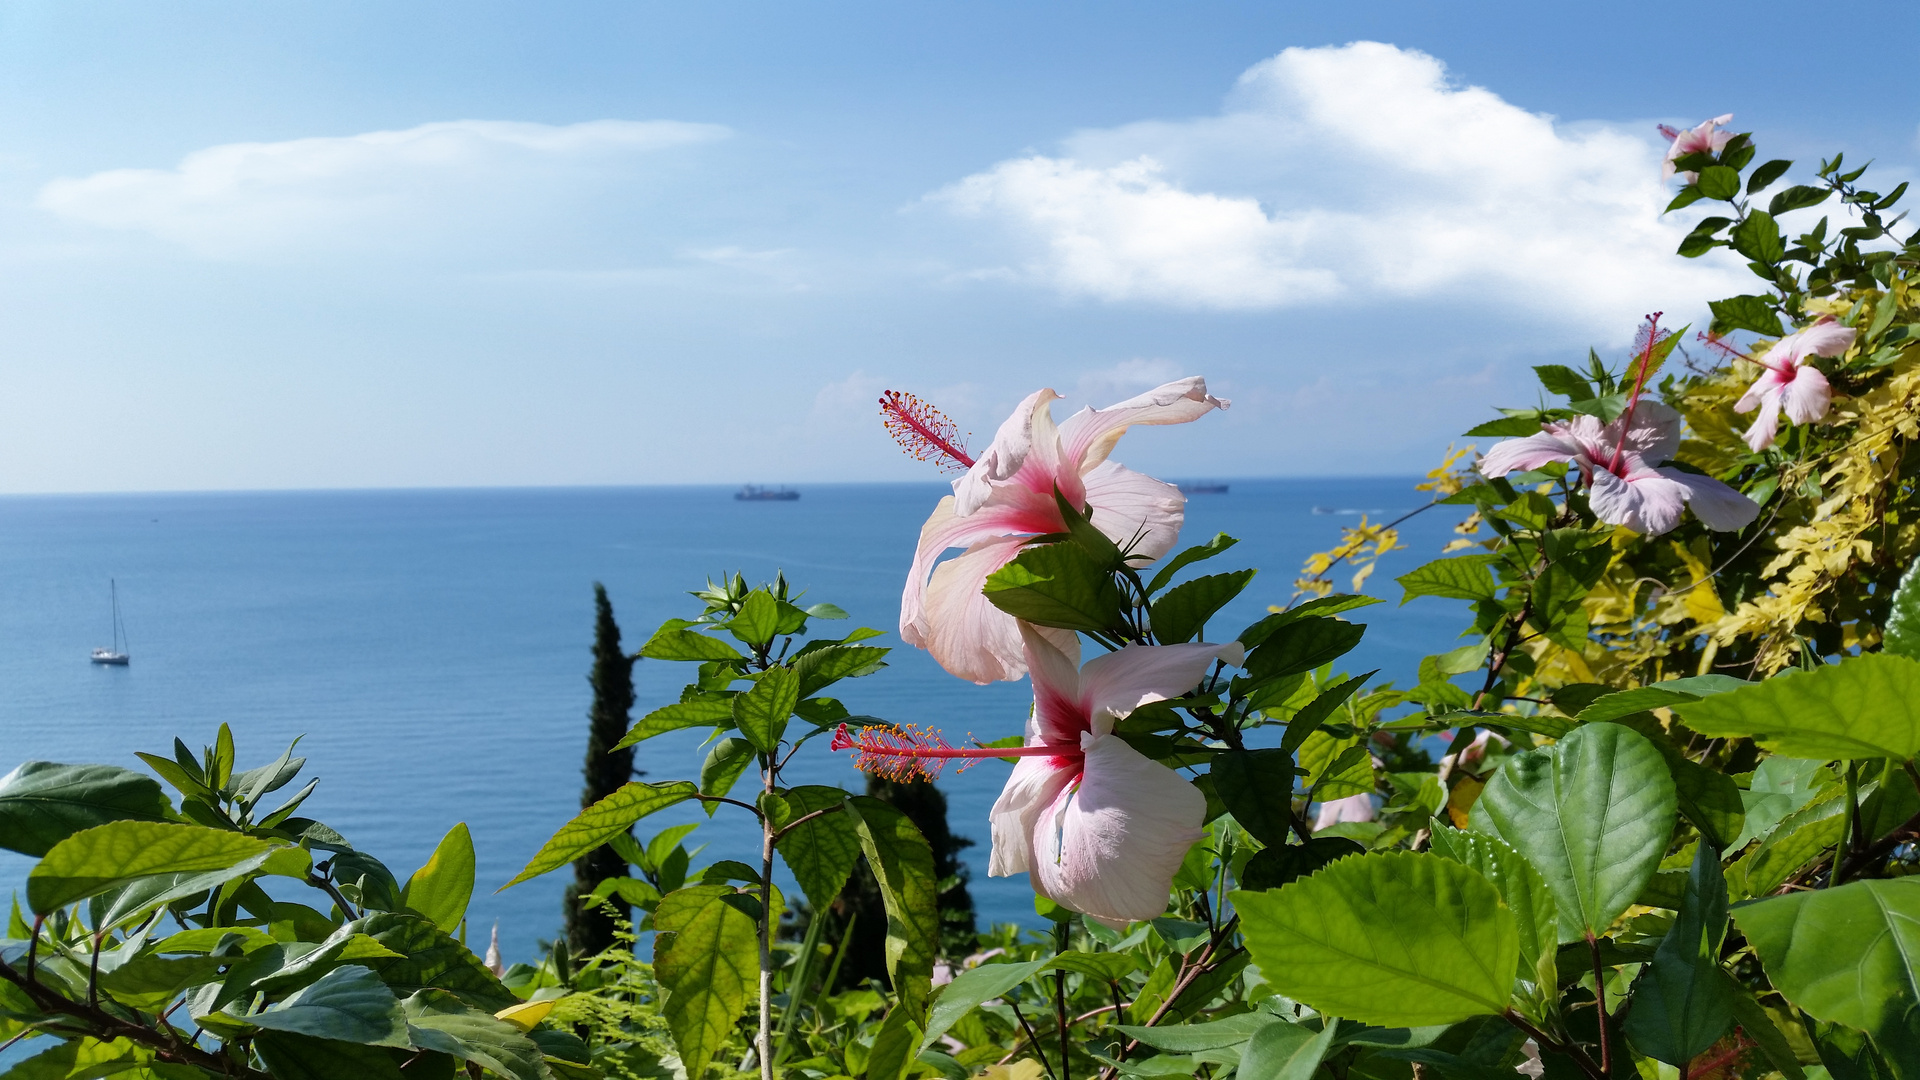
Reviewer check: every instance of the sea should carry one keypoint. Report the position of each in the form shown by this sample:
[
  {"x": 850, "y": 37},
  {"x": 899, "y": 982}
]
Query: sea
[{"x": 429, "y": 649}]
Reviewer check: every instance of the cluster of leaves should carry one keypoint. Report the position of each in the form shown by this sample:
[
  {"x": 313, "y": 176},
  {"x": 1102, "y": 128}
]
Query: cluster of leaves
[{"x": 372, "y": 979}]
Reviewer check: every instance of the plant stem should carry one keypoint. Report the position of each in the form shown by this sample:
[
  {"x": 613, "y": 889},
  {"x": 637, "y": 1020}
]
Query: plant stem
[
  {"x": 769, "y": 918},
  {"x": 1600, "y": 1002},
  {"x": 1848, "y": 826},
  {"x": 1033, "y": 1041},
  {"x": 1060, "y": 995}
]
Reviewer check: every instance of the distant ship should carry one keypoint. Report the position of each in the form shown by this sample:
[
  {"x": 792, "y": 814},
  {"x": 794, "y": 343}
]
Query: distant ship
[
  {"x": 117, "y": 655},
  {"x": 750, "y": 493},
  {"x": 1204, "y": 487}
]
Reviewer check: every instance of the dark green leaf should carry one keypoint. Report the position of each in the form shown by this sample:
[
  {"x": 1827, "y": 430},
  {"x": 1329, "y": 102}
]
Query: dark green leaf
[
  {"x": 821, "y": 853},
  {"x": 1758, "y": 238},
  {"x": 674, "y": 641},
  {"x": 971, "y": 989},
  {"x": 1593, "y": 813},
  {"x": 706, "y": 956},
  {"x": 1563, "y": 380},
  {"x": 430, "y": 959},
  {"x": 302, "y": 1057},
  {"x": 1798, "y": 197},
  {"x": 42, "y": 803},
  {"x": 1197, "y": 553},
  {"x": 1056, "y": 585},
  {"x": 1257, "y": 788},
  {"x": 1463, "y": 578},
  {"x": 1302, "y": 645},
  {"x": 1718, "y": 182},
  {"x": 823, "y": 667},
  {"x": 1398, "y": 939},
  {"x": 902, "y": 863},
  {"x": 761, "y": 713},
  {"x": 348, "y": 1004},
  {"x": 1683, "y": 1002},
  {"x": 1315, "y": 712},
  {"x": 1865, "y": 707},
  {"x": 1282, "y": 863},
  {"x": 599, "y": 822},
  {"x": 1286, "y": 1051},
  {"x": 1257, "y": 634},
  {"x": 725, "y": 762},
  {"x": 437, "y": 1020},
  {"x": 1902, "y": 635},
  {"x": 1765, "y": 175},
  {"x": 1181, "y": 613},
  {"x": 1658, "y": 695},
  {"x": 1753, "y": 313},
  {"x": 441, "y": 889}
]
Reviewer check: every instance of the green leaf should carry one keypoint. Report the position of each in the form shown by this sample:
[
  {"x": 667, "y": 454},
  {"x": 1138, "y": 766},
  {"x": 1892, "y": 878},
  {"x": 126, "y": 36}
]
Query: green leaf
[
  {"x": 1660, "y": 695},
  {"x": 673, "y": 641},
  {"x": 971, "y": 989},
  {"x": 1182, "y": 612},
  {"x": 1759, "y": 180},
  {"x": 1197, "y": 553},
  {"x": 699, "y": 712},
  {"x": 1758, "y": 238},
  {"x": 143, "y": 894},
  {"x": 1593, "y": 813},
  {"x": 1683, "y": 1001},
  {"x": 1314, "y": 713},
  {"x": 1056, "y": 585},
  {"x": 1282, "y": 864},
  {"x": 1257, "y": 787},
  {"x": 1287, "y": 1051},
  {"x": 757, "y": 620},
  {"x": 42, "y": 803},
  {"x": 725, "y": 762},
  {"x": 441, "y": 889},
  {"x": 821, "y": 853},
  {"x": 902, "y": 864},
  {"x": 1707, "y": 797},
  {"x": 599, "y": 822},
  {"x": 1212, "y": 1035},
  {"x": 1845, "y": 956},
  {"x": 1718, "y": 182},
  {"x": 1753, "y": 313},
  {"x": 1335, "y": 768},
  {"x": 1505, "y": 428},
  {"x": 895, "y": 1045},
  {"x": 1300, "y": 646},
  {"x": 706, "y": 956},
  {"x": 1864, "y": 707},
  {"x": 429, "y": 959},
  {"x": 349, "y": 1004},
  {"x": 1901, "y": 637},
  {"x": 1563, "y": 380},
  {"x": 761, "y": 713},
  {"x": 823, "y": 667},
  {"x": 1797, "y": 197},
  {"x": 1398, "y": 939},
  {"x": 1256, "y": 635},
  {"x": 1462, "y": 578},
  {"x": 436, "y": 1020},
  {"x": 106, "y": 857},
  {"x": 1525, "y": 892},
  {"x": 302, "y": 1057}
]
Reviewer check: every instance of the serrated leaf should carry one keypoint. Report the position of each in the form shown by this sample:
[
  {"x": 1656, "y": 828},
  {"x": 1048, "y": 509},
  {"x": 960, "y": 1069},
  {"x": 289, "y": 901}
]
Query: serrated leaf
[
  {"x": 429, "y": 959},
  {"x": 1563, "y": 380},
  {"x": 1593, "y": 813},
  {"x": 706, "y": 956},
  {"x": 1798, "y": 197},
  {"x": 43, "y": 803},
  {"x": 1864, "y": 707},
  {"x": 441, "y": 889},
  {"x": 107, "y": 857},
  {"x": 1287, "y": 1051},
  {"x": 1844, "y": 955},
  {"x": 902, "y": 864},
  {"x": 1257, "y": 634},
  {"x": 1462, "y": 578},
  {"x": 1302, "y": 645},
  {"x": 1902, "y": 634},
  {"x": 1197, "y": 553},
  {"x": 673, "y": 641},
  {"x": 1282, "y": 864},
  {"x": 1505, "y": 428},
  {"x": 823, "y": 667},
  {"x": 1525, "y": 892},
  {"x": 1658, "y": 695},
  {"x": 1398, "y": 939},
  {"x": 761, "y": 713},
  {"x": 1257, "y": 788},
  {"x": 1181, "y": 613},
  {"x": 1718, "y": 182},
  {"x": 821, "y": 853},
  {"x": 757, "y": 619},
  {"x": 699, "y": 712},
  {"x": 1758, "y": 238},
  {"x": 1753, "y": 313},
  {"x": 1056, "y": 585},
  {"x": 597, "y": 823}
]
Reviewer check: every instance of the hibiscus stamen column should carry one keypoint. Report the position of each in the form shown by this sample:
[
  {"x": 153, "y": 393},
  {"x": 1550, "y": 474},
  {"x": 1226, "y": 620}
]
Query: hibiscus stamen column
[
  {"x": 910, "y": 752},
  {"x": 1644, "y": 343}
]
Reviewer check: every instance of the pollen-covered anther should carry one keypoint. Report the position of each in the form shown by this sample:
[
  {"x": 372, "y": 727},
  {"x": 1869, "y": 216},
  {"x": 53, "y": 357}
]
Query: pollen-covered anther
[
  {"x": 899, "y": 753},
  {"x": 924, "y": 432}
]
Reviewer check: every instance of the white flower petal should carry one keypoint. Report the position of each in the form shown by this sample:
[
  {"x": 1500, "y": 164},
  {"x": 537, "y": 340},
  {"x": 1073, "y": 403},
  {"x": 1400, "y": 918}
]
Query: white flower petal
[
  {"x": 1090, "y": 434},
  {"x": 1120, "y": 682}
]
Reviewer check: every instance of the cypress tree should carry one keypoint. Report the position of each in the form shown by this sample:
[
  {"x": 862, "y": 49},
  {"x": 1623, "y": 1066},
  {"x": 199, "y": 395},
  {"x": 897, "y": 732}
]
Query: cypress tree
[{"x": 590, "y": 930}]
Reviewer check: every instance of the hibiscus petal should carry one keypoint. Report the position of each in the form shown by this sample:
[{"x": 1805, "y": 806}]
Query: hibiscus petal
[
  {"x": 944, "y": 530},
  {"x": 1003, "y": 458},
  {"x": 1129, "y": 505},
  {"x": 1059, "y": 707},
  {"x": 1718, "y": 506},
  {"x": 1120, "y": 682},
  {"x": 1527, "y": 454},
  {"x": 1769, "y": 383},
  {"x": 1653, "y": 436},
  {"x": 961, "y": 628},
  {"x": 1352, "y": 808},
  {"x": 1089, "y": 435},
  {"x": 1109, "y": 846},
  {"x": 1824, "y": 338},
  {"x": 1649, "y": 503},
  {"x": 1807, "y": 397},
  {"x": 1767, "y": 424},
  {"x": 1032, "y": 788}
]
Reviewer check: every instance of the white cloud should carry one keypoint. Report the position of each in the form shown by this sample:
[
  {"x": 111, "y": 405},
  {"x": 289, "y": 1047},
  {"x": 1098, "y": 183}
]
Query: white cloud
[
  {"x": 1354, "y": 173},
  {"x": 475, "y": 177},
  {"x": 1123, "y": 380}
]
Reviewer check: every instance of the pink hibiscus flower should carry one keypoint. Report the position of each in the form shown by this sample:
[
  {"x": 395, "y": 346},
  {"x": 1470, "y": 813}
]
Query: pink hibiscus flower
[
  {"x": 1620, "y": 462},
  {"x": 1707, "y": 137},
  {"x": 1789, "y": 383},
  {"x": 1096, "y": 826},
  {"x": 1007, "y": 497},
  {"x": 1352, "y": 808}
]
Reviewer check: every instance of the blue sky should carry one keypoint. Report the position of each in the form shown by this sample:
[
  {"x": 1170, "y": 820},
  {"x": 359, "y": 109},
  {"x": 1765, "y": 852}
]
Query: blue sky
[{"x": 350, "y": 245}]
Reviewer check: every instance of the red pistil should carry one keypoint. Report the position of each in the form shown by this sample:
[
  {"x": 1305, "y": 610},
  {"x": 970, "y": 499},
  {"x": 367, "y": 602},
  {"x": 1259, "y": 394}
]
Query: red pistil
[
  {"x": 912, "y": 752},
  {"x": 1644, "y": 342},
  {"x": 924, "y": 432}
]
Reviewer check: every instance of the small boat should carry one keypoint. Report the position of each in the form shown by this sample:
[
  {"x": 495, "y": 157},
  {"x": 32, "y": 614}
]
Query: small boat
[
  {"x": 750, "y": 493},
  {"x": 117, "y": 655},
  {"x": 1203, "y": 487}
]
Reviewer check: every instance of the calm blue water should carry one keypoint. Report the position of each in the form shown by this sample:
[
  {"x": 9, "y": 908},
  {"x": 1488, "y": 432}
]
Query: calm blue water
[{"x": 432, "y": 646}]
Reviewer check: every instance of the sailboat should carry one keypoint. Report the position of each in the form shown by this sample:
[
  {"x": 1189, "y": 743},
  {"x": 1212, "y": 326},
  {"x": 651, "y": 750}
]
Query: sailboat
[{"x": 117, "y": 656}]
